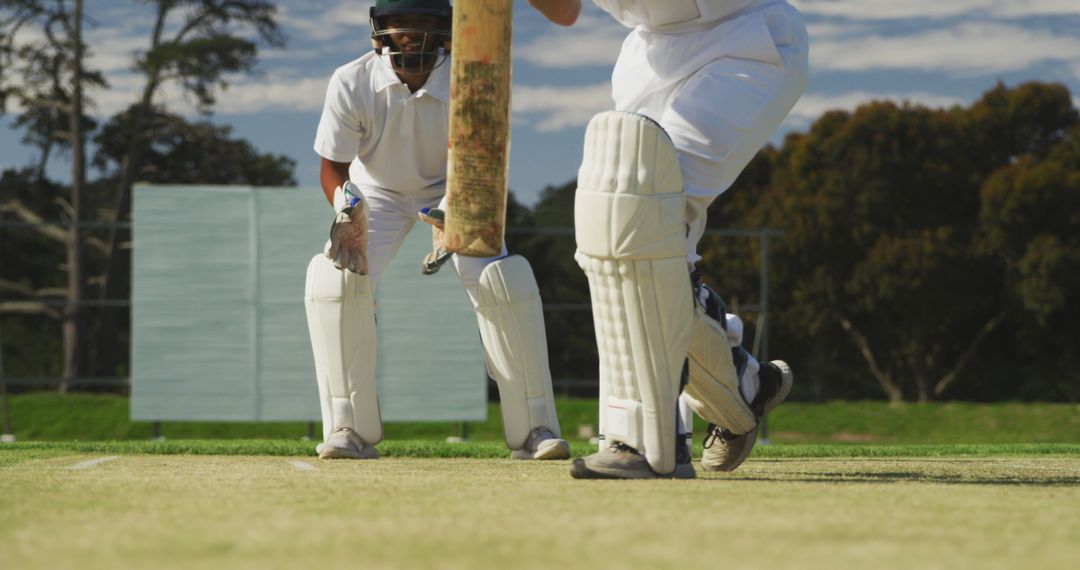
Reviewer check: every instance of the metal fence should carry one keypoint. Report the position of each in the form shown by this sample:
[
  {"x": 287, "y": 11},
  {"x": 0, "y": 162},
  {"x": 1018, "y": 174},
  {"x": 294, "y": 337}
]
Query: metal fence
[{"x": 759, "y": 345}]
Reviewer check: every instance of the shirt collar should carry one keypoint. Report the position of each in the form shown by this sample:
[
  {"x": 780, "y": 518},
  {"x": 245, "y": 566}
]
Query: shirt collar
[
  {"x": 437, "y": 84},
  {"x": 383, "y": 74}
]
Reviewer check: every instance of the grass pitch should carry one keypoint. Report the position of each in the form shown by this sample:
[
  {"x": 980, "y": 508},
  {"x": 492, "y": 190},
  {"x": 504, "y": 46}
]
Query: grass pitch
[{"x": 70, "y": 506}]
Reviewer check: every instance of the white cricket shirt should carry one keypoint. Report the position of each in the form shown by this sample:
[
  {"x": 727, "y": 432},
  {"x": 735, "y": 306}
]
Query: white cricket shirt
[
  {"x": 395, "y": 139},
  {"x": 670, "y": 15}
]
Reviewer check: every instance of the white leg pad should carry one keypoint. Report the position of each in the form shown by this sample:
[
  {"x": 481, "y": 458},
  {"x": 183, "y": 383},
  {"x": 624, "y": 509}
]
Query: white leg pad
[
  {"x": 341, "y": 321},
  {"x": 713, "y": 391},
  {"x": 512, "y": 327},
  {"x": 630, "y": 224}
]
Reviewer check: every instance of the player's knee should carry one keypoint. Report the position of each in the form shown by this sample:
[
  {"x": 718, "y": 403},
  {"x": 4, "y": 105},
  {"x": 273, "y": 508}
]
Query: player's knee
[
  {"x": 326, "y": 282},
  {"x": 506, "y": 281},
  {"x": 630, "y": 202},
  {"x": 472, "y": 269}
]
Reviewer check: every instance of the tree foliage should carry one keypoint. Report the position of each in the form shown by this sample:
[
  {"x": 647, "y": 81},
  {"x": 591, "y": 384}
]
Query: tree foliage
[
  {"x": 916, "y": 235},
  {"x": 190, "y": 152},
  {"x": 42, "y": 80},
  {"x": 927, "y": 253}
]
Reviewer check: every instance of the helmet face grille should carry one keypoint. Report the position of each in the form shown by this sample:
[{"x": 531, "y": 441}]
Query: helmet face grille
[
  {"x": 419, "y": 42},
  {"x": 424, "y": 52}
]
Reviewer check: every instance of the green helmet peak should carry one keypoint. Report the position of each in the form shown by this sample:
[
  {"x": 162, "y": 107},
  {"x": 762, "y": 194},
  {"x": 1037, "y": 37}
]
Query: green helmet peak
[{"x": 419, "y": 7}]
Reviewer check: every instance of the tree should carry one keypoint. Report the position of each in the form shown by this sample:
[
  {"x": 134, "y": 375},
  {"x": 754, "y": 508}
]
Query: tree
[
  {"x": 183, "y": 152},
  {"x": 1030, "y": 215},
  {"x": 52, "y": 95},
  {"x": 210, "y": 43},
  {"x": 886, "y": 251},
  {"x": 45, "y": 80}
]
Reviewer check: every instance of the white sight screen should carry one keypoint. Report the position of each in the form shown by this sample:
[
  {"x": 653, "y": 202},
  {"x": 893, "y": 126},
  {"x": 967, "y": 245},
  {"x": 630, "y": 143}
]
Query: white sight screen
[{"x": 218, "y": 324}]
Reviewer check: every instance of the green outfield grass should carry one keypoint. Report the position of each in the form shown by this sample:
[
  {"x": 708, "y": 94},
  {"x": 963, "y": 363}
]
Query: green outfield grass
[
  {"x": 119, "y": 506},
  {"x": 430, "y": 449},
  {"x": 49, "y": 417}
]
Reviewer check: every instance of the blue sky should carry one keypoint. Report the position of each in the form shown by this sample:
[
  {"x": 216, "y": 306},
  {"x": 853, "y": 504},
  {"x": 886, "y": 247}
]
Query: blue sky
[{"x": 937, "y": 53}]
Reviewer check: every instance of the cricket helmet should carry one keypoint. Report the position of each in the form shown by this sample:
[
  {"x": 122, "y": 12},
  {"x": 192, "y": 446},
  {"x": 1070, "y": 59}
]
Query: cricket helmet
[{"x": 434, "y": 41}]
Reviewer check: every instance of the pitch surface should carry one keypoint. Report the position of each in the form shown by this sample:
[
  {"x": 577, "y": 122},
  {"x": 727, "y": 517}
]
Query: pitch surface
[{"x": 76, "y": 510}]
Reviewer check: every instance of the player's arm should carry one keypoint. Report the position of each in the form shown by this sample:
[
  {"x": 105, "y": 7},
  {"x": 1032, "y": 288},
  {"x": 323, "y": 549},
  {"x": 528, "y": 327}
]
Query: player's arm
[
  {"x": 562, "y": 12},
  {"x": 332, "y": 175}
]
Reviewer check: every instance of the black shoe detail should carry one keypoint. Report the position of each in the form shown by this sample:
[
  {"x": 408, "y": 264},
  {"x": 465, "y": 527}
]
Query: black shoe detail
[
  {"x": 770, "y": 379},
  {"x": 714, "y": 433},
  {"x": 682, "y": 448}
]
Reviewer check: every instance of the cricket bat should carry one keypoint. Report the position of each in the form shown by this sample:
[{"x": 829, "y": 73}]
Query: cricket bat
[{"x": 479, "y": 146}]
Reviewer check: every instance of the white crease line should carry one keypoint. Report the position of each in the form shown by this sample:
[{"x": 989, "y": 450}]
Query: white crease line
[
  {"x": 93, "y": 462},
  {"x": 302, "y": 466}
]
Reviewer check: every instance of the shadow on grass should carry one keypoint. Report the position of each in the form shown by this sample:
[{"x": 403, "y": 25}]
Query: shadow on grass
[{"x": 888, "y": 477}]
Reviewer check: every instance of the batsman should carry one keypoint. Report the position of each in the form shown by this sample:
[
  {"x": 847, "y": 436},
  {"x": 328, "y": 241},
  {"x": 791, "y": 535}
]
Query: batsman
[
  {"x": 699, "y": 87},
  {"x": 383, "y": 143}
]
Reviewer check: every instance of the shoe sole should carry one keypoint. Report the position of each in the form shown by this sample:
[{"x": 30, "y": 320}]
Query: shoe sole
[
  {"x": 579, "y": 470},
  {"x": 787, "y": 380},
  {"x": 744, "y": 442},
  {"x": 555, "y": 451},
  {"x": 747, "y": 440},
  {"x": 334, "y": 453},
  {"x": 558, "y": 450},
  {"x": 338, "y": 453}
]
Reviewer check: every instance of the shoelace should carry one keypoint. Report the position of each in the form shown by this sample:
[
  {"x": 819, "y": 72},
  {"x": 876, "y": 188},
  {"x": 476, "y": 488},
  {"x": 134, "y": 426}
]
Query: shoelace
[
  {"x": 620, "y": 447},
  {"x": 716, "y": 432}
]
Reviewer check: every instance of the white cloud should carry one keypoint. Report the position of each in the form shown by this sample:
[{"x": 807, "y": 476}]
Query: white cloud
[
  {"x": 561, "y": 107},
  {"x": 594, "y": 41},
  {"x": 321, "y": 23},
  {"x": 837, "y": 30},
  {"x": 890, "y": 9},
  {"x": 813, "y": 105},
  {"x": 122, "y": 93},
  {"x": 1013, "y": 9},
  {"x": 303, "y": 94},
  {"x": 275, "y": 92},
  {"x": 893, "y": 10},
  {"x": 969, "y": 47},
  {"x": 112, "y": 50},
  {"x": 288, "y": 54}
]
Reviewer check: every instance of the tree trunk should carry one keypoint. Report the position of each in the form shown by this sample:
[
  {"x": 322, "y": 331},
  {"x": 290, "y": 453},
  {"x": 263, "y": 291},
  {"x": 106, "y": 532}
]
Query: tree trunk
[
  {"x": 118, "y": 264},
  {"x": 948, "y": 379},
  {"x": 74, "y": 322},
  {"x": 891, "y": 388},
  {"x": 914, "y": 357}
]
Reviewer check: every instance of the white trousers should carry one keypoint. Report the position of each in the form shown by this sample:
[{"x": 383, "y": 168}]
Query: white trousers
[
  {"x": 390, "y": 218},
  {"x": 720, "y": 93}
]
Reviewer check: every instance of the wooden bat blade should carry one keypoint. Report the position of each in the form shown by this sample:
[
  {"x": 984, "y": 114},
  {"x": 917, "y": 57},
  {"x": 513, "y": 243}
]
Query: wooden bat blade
[{"x": 479, "y": 146}]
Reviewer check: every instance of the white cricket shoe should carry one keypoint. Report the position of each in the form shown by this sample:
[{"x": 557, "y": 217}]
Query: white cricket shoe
[
  {"x": 620, "y": 461},
  {"x": 345, "y": 444},
  {"x": 542, "y": 444},
  {"x": 725, "y": 451}
]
